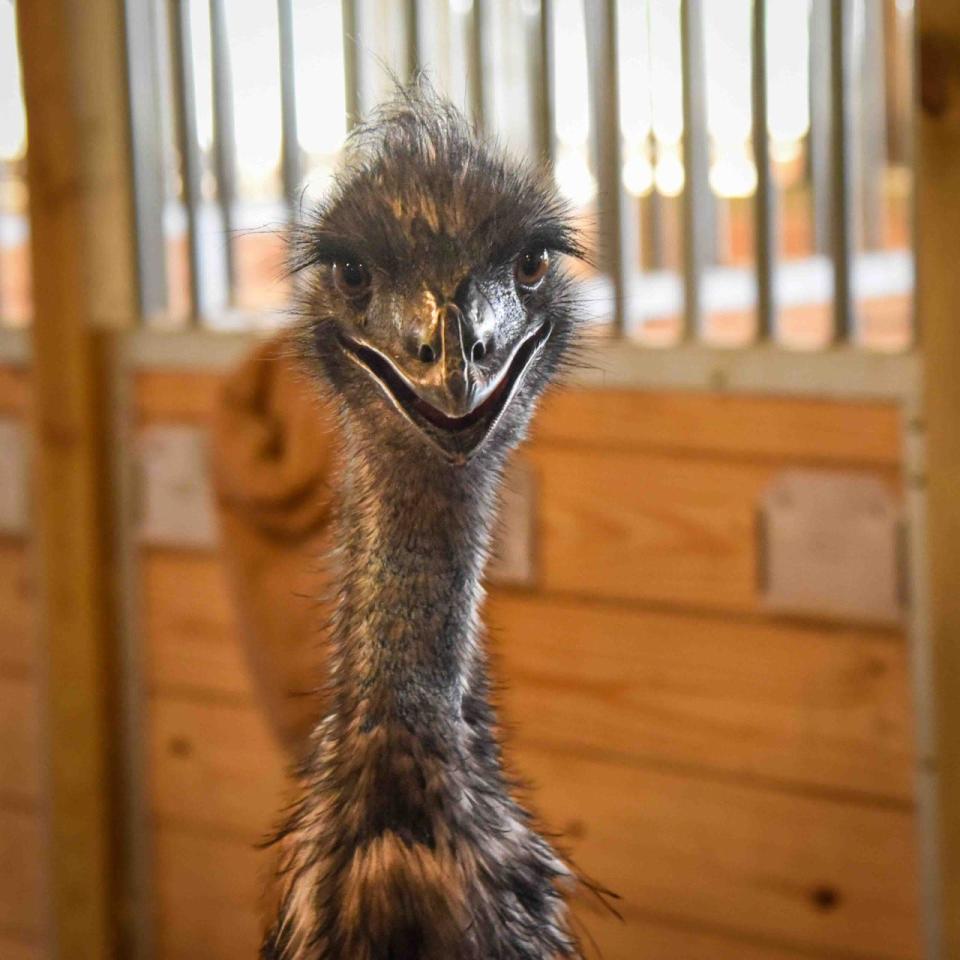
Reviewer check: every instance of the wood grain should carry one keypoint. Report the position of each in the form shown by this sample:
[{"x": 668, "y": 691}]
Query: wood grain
[
  {"x": 648, "y": 527},
  {"x": 811, "y": 871},
  {"x": 19, "y": 740},
  {"x": 807, "y": 705},
  {"x": 722, "y": 424},
  {"x": 215, "y": 765},
  {"x": 16, "y": 596},
  {"x": 20, "y": 898},
  {"x": 14, "y": 391},
  {"x": 16, "y": 949}
]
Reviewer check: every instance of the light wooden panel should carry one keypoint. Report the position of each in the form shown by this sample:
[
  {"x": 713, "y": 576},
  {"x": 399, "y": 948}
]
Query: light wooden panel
[
  {"x": 14, "y": 391},
  {"x": 809, "y": 704},
  {"x": 806, "y": 705},
  {"x": 752, "y": 860},
  {"x": 175, "y": 395},
  {"x": 208, "y": 895},
  {"x": 215, "y": 765},
  {"x": 11, "y": 949},
  {"x": 16, "y": 592},
  {"x": 19, "y": 872},
  {"x": 738, "y": 425},
  {"x": 19, "y": 746},
  {"x": 645, "y": 527}
]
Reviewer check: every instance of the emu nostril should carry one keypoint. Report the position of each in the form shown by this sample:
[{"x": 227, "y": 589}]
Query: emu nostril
[
  {"x": 426, "y": 353},
  {"x": 478, "y": 351}
]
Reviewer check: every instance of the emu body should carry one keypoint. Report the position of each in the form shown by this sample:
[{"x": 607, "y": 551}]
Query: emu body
[{"x": 434, "y": 314}]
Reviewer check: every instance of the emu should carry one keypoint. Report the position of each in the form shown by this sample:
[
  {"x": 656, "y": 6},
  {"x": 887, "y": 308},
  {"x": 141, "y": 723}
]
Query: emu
[{"x": 433, "y": 311}]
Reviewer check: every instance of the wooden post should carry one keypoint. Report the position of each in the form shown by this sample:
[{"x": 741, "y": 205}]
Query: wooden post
[
  {"x": 82, "y": 256},
  {"x": 938, "y": 297}
]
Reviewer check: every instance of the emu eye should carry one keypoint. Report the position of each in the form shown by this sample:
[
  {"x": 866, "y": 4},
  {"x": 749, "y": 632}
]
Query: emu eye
[
  {"x": 351, "y": 278},
  {"x": 531, "y": 267}
]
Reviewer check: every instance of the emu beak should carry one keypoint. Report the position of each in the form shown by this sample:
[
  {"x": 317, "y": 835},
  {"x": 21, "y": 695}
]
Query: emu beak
[{"x": 451, "y": 400}]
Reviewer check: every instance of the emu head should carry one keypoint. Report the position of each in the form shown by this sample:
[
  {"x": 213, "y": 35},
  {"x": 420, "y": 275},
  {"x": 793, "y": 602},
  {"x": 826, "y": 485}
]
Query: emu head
[{"x": 435, "y": 303}]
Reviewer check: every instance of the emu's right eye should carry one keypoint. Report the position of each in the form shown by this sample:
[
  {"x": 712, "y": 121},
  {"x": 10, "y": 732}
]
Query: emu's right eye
[{"x": 351, "y": 278}]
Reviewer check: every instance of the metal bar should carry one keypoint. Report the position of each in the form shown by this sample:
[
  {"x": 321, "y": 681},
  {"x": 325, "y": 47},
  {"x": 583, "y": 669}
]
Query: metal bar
[
  {"x": 540, "y": 45},
  {"x": 820, "y": 136},
  {"x": 841, "y": 236},
  {"x": 188, "y": 147},
  {"x": 224, "y": 143},
  {"x": 764, "y": 197},
  {"x": 872, "y": 115},
  {"x": 414, "y": 48},
  {"x": 146, "y": 144},
  {"x": 351, "y": 62},
  {"x": 600, "y": 22},
  {"x": 475, "y": 68},
  {"x": 290, "y": 144},
  {"x": 697, "y": 219}
]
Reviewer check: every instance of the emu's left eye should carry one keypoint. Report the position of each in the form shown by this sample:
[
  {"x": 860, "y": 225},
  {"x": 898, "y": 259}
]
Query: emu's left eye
[
  {"x": 531, "y": 267},
  {"x": 351, "y": 278}
]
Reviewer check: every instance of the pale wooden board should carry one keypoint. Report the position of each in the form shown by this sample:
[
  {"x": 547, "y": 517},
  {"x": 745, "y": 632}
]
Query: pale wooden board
[
  {"x": 799, "y": 704},
  {"x": 805, "y": 704},
  {"x": 19, "y": 740},
  {"x": 701, "y": 850},
  {"x": 15, "y": 949},
  {"x": 14, "y": 390},
  {"x": 215, "y": 765},
  {"x": 737, "y": 425},
  {"x": 210, "y": 904},
  {"x": 209, "y": 896},
  {"x": 16, "y": 593},
  {"x": 671, "y": 530},
  {"x": 734, "y": 425},
  {"x": 20, "y": 856}
]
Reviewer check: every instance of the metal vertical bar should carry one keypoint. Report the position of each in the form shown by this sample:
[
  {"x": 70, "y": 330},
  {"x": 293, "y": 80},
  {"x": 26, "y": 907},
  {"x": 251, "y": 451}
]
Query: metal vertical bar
[
  {"x": 764, "y": 197},
  {"x": 820, "y": 136},
  {"x": 351, "y": 62},
  {"x": 600, "y": 21},
  {"x": 224, "y": 144},
  {"x": 841, "y": 181},
  {"x": 146, "y": 144},
  {"x": 290, "y": 143},
  {"x": 414, "y": 44},
  {"x": 872, "y": 114},
  {"x": 540, "y": 46},
  {"x": 188, "y": 147},
  {"x": 475, "y": 69},
  {"x": 697, "y": 222}
]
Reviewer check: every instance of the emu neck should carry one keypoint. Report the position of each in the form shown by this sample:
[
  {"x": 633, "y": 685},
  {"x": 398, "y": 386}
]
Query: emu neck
[{"x": 415, "y": 536}]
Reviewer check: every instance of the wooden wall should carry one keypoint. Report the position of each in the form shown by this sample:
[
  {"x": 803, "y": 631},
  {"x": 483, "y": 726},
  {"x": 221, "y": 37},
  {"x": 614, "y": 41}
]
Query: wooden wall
[
  {"x": 744, "y": 783},
  {"x": 20, "y": 826}
]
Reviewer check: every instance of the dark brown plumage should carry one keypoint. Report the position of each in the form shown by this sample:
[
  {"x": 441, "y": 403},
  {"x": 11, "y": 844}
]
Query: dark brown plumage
[{"x": 434, "y": 313}]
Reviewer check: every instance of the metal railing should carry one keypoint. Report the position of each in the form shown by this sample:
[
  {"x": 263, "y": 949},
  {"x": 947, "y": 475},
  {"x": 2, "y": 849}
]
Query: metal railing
[{"x": 696, "y": 223}]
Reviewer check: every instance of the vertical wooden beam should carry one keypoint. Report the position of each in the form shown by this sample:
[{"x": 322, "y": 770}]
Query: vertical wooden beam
[
  {"x": 84, "y": 278},
  {"x": 938, "y": 293}
]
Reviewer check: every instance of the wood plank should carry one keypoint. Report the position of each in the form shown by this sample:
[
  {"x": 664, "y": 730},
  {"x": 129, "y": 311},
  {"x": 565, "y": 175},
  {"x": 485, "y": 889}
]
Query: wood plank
[
  {"x": 210, "y": 904},
  {"x": 175, "y": 395},
  {"x": 937, "y": 430},
  {"x": 758, "y": 862},
  {"x": 190, "y": 625},
  {"x": 20, "y": 854},
  {"x": 16, "y": 599},
  {"x": 654, "y": 528},
  {"x": 811, "y": 706},
  {"x": 15, "y": 949},
  {"x": 209, "y": 893},
  {"x": 14, "y": 391},
  {"x": 215, "y": 765},
  {"x": 810, "y": 872},
  {"x": 725, "y": 424},
  {"x": 19, "y": 740}
]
